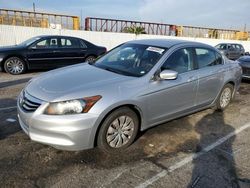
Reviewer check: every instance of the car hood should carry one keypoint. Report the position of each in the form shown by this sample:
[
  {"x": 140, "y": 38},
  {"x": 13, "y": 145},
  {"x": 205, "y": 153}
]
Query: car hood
[
  {"x": 77, "y": 81},
  {"x": 9, "y": 48},
  {"x": 244, "y": 64},
  {"x": 245, "y": 59}
]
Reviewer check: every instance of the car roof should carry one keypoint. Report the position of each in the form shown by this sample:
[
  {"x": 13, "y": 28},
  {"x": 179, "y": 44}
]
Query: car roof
[
  {"x": 166, "y": 43},
  {"x": 229, "y": 43},
  {"x": 45, "y": 36}
]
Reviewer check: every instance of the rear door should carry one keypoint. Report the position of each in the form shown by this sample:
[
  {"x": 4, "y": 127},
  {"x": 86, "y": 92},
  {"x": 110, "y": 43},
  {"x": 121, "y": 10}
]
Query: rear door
[
  {"x": 71, "y": 51},
  {"x": 211, "y": 70}
]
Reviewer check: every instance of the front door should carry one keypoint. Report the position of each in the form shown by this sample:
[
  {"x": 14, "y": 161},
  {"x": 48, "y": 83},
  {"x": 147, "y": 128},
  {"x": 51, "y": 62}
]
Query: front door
[
  {"x": 167, "y": 99},
  {"x": 44, "y": 53}
]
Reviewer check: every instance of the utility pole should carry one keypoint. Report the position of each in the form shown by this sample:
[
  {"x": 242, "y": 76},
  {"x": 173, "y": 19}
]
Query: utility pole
[{"x": 34, "y": 7}]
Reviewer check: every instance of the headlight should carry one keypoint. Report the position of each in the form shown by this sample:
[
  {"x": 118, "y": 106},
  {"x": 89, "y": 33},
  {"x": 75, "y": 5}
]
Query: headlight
[{"x": 76, "y": 106}]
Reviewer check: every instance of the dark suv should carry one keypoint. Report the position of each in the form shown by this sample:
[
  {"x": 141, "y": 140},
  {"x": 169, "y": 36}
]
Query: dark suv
[{"x": 231, "y": 50}]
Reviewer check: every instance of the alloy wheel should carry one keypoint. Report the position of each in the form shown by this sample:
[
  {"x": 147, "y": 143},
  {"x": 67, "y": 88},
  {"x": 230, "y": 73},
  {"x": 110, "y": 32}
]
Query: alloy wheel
[
  {"x": 225, "y": 97},
  {"x": 120, "y": 131},
  {"x": 14, "y": 66}
]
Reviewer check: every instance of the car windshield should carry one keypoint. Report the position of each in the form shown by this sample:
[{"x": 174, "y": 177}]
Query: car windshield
[
  {"x": 131, "y": 59},
  {"x": 29, "y": 41}
]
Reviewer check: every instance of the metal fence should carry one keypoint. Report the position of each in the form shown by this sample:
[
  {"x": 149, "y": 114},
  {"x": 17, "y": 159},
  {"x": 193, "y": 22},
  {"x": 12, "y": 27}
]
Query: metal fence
[
  {"x": 38, "y": 19},
  {"x": 62, "y": 21},
  {"x": 114, "y": 25}
]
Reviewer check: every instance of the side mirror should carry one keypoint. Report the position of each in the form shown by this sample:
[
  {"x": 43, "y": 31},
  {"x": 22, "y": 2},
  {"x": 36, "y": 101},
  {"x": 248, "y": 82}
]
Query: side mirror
[{"x": 168, "y": 75}]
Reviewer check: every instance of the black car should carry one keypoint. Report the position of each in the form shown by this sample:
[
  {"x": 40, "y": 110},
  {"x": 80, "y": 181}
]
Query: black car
[
  {"x": 47, "y": 52},
  {"x": 244, "y": 62}
]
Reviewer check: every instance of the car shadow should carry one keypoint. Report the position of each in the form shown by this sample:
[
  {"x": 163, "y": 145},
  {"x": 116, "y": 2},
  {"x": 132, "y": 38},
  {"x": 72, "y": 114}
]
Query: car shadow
[
  {"x": 14, "y": 82},
  {"x": 217, "y": 168},
  {"x": 8, "y": 118}
]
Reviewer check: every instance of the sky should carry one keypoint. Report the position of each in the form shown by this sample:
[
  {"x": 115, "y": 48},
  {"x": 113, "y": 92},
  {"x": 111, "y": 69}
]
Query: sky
[{"x": 227, "y": 14}]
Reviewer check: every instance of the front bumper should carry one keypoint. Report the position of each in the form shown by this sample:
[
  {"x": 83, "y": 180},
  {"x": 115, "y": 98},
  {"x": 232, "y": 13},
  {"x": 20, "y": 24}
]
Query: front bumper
[{"x": 68, "y": 132}]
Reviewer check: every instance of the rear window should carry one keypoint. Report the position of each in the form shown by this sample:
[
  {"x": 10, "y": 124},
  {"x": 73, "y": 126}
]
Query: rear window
[
  {"x": 69, "y": 43},
  {"x": 207, "y": 57}
]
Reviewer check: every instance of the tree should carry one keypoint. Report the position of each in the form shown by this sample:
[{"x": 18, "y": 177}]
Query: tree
[{"x": 135, "y": 29}]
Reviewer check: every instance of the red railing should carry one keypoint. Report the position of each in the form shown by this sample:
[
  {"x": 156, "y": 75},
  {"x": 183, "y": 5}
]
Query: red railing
[{"x": 114, "y": 25}]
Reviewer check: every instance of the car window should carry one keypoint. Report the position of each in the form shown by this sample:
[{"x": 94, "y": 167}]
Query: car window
[
  {"x": 41, "y": 44},
  {"x": 238, "y": 46},
  {"x": 222, "y": 46},
  {"x": 219, "y": 59},
  {"x": 131, "y": 59},
  {"x": 206, "y": 57},
  {"x": 46, "y": 43},
  {"x": 180, "y": 61},
  {"x": 231, "y": 47},
  {"x": 82, "y": 44},
  {"x": 127, "y": 53},
  {"x": 69, "y": 43},
  {"x": 53, "y": 42}
]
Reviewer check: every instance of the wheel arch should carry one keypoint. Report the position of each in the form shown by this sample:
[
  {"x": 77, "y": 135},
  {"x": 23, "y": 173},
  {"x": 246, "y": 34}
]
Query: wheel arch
[
  {"x": 14, "y": 55},
  {"x": 232, "y": 82},
  {"x": 133, "y": 107},
  {"x": 94, "y": 55}
]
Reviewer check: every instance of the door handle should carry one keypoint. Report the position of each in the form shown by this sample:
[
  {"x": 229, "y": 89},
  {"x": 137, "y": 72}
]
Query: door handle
[{"x": 55, "y": 51}]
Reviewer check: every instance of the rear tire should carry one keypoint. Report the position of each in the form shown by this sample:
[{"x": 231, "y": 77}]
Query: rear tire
[
  {"x": 90, "y": 59},
  {"x": 225, "y": 97},
  {"x": 118, "y": 130},
  {"x": 14, "y": 65}
]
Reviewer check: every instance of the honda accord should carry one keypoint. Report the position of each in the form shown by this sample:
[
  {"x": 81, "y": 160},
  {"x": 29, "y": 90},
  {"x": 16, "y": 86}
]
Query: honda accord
[{"x": 137, "y": 85}]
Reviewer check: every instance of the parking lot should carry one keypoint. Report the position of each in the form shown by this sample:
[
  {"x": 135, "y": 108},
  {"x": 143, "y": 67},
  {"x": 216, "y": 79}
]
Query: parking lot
[{"x": 205, "y": 149}]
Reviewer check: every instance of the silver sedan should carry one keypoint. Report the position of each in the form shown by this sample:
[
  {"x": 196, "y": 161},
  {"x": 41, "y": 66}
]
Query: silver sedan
[{"x": 137, "y": 85}]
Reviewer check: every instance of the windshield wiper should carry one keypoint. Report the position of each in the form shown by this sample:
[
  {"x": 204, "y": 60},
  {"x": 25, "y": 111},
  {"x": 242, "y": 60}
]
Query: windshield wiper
[
  {"x": 113, "y": 70},
  {"x": 119, "y": 71}
]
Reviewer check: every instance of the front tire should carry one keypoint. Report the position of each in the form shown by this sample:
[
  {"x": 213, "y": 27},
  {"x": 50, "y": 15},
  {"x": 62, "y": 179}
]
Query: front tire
[
  {"x": 118, "y": 130},
  {"x": 225, "y": 97},
  {"x": 14, "y": 65}
]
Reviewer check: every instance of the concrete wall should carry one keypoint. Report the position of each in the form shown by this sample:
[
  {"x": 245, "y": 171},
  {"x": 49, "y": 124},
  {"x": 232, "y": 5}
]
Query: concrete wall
[{"x": 10, "y": 35}]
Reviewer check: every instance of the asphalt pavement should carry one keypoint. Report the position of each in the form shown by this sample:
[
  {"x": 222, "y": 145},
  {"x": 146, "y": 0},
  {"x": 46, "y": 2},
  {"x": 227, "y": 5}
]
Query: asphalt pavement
[{"x": 205, "y": 149}]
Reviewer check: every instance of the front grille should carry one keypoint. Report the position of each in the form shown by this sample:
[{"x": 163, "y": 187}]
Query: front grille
[{"x": 29, "y": 103}]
